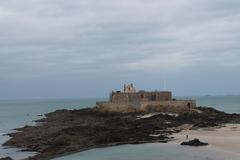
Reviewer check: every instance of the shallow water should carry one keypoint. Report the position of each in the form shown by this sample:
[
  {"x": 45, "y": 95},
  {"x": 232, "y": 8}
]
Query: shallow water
[
  {"x": 152, "y": 151},
  {"x": 14, "y": 114},
  {"x": 230, "y": 104}
]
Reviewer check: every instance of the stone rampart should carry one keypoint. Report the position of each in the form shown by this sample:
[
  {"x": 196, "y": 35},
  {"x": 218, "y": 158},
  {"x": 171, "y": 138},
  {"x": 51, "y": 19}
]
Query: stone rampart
[
  {"x": 157, "y": 106},
  {"x": 121, "y": 97}
]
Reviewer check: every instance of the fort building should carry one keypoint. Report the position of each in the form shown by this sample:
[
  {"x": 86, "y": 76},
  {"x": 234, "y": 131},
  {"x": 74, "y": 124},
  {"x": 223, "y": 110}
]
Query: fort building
[{"x": 130, "y": 99}]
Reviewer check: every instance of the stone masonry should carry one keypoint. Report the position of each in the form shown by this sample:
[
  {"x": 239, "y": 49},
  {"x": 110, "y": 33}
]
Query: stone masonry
[{"x": 131, "y": 100}]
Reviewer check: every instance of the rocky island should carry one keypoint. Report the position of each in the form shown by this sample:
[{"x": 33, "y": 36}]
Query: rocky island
[{"x": 114, "y": 123}]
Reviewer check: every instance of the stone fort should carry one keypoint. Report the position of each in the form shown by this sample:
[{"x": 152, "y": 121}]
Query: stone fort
[{"x": 132, "y": 100}]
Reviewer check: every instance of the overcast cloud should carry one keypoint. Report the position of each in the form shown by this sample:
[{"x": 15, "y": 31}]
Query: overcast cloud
[{"x": 85, "y": 48}]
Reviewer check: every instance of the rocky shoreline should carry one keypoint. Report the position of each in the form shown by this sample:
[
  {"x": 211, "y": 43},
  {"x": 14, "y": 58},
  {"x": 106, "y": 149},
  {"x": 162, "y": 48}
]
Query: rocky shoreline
[{"x": 68, "y": 131}]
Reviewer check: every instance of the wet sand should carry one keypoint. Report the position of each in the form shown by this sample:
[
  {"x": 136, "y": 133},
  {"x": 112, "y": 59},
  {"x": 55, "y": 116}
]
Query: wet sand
[{"x": 226, "y": 138}]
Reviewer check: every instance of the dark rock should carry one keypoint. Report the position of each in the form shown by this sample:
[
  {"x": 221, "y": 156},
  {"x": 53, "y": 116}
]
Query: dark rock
[
  {"x": 196, "y": 142},
  {"x": 66, "y": 131},
  {"x": 6, "y": 158}
]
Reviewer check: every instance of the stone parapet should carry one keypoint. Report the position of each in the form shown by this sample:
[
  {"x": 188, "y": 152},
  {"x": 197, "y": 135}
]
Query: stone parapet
[{"x": 170, "y": 106}]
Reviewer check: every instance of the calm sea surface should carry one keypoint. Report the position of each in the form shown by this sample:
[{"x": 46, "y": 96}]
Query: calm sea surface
[{"x": 18, "y": 113}]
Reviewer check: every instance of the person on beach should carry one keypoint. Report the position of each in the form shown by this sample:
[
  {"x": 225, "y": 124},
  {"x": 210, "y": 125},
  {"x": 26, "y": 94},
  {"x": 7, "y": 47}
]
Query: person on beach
[{"x": 186, "y": 137}]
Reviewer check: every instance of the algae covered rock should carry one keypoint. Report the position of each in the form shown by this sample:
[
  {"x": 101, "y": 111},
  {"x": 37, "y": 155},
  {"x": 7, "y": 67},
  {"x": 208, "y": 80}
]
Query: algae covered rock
[{"x": 196, "y": 142}]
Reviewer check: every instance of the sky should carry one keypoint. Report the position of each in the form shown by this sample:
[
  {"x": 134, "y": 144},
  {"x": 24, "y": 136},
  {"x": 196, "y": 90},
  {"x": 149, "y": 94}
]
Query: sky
[{"x": 86, "y": 48}]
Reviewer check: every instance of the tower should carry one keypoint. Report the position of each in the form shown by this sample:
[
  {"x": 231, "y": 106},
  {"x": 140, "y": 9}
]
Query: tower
[{"x": 129, "y": 88}]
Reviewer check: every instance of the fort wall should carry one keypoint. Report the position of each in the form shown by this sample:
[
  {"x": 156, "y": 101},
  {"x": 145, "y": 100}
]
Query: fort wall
[
  {"x": 130, "y": 100},
  {"x": 166, "y": 106},
  {"x": 121, "y": 97}
]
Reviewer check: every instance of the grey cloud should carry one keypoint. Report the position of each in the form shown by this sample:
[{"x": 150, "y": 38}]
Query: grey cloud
[{"x": 118, "y": 39}]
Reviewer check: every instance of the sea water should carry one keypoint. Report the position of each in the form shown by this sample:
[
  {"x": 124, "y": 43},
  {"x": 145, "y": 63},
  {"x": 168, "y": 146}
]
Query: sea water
[
  {"x": 152, "y": 151},
  {"x": 17, "y": 113}
]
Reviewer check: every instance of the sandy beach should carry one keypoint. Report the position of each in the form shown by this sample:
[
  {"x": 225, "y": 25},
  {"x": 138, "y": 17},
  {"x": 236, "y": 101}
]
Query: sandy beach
[{"x": 226, "y": 138}]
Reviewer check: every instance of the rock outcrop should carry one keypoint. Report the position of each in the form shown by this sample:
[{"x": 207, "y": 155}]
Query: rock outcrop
[
  {"x": 195, "y": 142},
  {"x": 67, "y": 131},
  {"x": 6, "y": 158}
]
